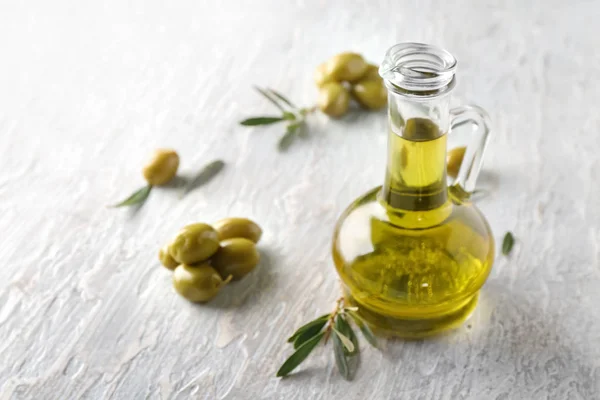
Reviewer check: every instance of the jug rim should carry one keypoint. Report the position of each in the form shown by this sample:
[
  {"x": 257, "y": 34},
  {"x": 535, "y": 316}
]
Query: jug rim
[{"x": 418, "y": 69}]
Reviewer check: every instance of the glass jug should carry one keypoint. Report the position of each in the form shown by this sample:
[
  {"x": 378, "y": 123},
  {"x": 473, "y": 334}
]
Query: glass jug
[{"x": 413, "y": 254}]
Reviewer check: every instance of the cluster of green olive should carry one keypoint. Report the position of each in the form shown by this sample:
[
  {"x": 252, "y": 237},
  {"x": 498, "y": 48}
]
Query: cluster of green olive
[
  {"x": 349, "y": 75},
  {"x": 204, "y": 258}
]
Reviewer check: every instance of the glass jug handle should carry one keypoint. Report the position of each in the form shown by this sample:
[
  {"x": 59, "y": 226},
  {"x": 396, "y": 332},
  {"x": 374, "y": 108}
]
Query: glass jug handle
[{"x": 473, "y": 158}]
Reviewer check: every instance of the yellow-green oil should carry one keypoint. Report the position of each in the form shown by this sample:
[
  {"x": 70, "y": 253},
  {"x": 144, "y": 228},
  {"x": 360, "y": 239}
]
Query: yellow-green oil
[{"x": 411, "y": 255}]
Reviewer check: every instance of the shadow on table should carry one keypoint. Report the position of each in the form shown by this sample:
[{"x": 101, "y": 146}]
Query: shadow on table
[
  {"x": 510, "y": 339},
  {"x": 245, "y": 292},
  {"x": 497, "y": 310},
  {"x": 487, "y": 184},
  {"x": 510, "y": 348},
  {"x": 178, "y": 182}
]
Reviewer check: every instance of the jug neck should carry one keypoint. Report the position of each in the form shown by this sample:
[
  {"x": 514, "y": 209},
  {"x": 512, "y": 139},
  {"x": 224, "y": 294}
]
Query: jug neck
[
  {"x": 415, "y": 178},
  {"x": 419, "y": 79}
]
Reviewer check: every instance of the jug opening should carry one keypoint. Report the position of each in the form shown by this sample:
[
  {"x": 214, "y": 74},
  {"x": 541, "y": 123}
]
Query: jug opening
[{"x": 416, "y": 69}]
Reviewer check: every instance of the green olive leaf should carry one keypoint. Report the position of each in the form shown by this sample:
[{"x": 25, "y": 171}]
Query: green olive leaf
[
  {"x": 363, "y": 326},
  {"x": 207, "y": 173},
  {"x": 322, "y": 319},
  {"x": 289, "y": 116},
  {"x": 300, "y": 355},
  {"x": 368, "y": 334},
  {"x": 340, "y": 358},
  {"x": 261, "y": 121},
  {"x": 345, "y": 341},
  {"x": 282, "y": 98},
  {"x": 305, "y": 111},
  {"x": 309, "y": 333},
  {"x": 270, "y": 98},
  {"x": 138, "y": 197},
  {"x": 507, "y": 243},
  {"x": 346, "y": 356},
  {"x": 345, "y": 329},
  {"x": 288, "y": 137}
]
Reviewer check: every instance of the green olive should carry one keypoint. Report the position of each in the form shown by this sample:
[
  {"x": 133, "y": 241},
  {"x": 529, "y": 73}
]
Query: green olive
[
  {"x": 162, "y": 167},
  {"x": 371, "y": 94},
  {"x": 321, "y": 75},
  {"x": 371, "y": 74},
  {"x": 236, "y": 258},
  {"x": 229, "y": 228},
  {"x": 194, "y": 243},
  {"x": 346, "y": 67},
  {"x": 454, "y": 160},
  {"x": 334, "y": 99},
  {"x": 166, "y": 259},
  {"x": 197, "y": 283}
]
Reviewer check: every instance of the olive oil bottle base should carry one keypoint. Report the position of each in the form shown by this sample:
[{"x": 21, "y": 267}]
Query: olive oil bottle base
[
  {"x": 414, "y": 328},
  {"x": 407, "y": 280}
]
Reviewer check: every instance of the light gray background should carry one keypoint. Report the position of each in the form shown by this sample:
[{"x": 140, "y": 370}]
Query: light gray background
[{"x": 88, "y": 89}]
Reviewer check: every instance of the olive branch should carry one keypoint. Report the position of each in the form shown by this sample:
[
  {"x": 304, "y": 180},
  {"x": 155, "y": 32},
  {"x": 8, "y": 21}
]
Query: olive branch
[
  {"x": 290, "y": 113},
  {"x": 337, "y": 326}
]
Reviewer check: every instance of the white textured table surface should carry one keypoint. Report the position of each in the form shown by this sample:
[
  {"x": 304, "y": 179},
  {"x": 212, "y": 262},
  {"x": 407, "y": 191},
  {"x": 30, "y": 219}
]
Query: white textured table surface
[{"x": 89, "y": 89}]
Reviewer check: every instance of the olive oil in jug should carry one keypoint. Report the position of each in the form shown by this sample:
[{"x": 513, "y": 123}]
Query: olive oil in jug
[{"x": 414, "y": 253}]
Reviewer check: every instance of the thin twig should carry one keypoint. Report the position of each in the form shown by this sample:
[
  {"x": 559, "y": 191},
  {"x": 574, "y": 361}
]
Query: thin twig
[{"x": 331, "y": 320}]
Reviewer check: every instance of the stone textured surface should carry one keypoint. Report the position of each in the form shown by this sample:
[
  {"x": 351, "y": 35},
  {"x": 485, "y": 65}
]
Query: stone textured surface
[{"x": 90, "y": 88}]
